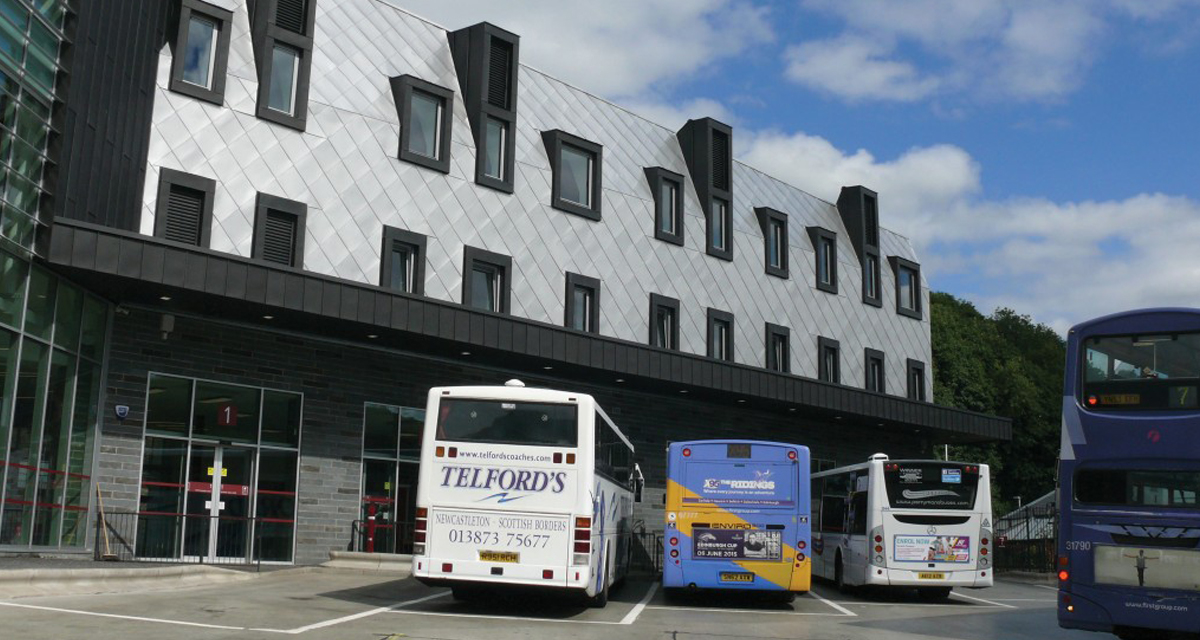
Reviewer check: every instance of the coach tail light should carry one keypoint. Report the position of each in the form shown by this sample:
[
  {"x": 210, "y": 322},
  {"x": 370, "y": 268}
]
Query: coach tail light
[
  {"x": 1063, "y": 573},
  {"x": 582, "y": 541}
]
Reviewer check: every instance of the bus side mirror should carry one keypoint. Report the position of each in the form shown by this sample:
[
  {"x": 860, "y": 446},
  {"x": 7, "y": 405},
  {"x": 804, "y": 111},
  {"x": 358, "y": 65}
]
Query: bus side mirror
[{"x": 639, "y": 483}]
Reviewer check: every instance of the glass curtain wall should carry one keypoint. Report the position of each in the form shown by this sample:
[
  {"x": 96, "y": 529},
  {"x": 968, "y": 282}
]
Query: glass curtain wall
[
  {"x": 391, "y": 457},
  {"x": 31, "y": 39},
  {"x": 207, "y": 440},
  {"x": 51, "y": 346}
]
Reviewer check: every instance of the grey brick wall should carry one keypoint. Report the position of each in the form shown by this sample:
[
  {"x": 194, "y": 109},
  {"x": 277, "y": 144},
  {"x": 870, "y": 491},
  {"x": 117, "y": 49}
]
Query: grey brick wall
[{"x": 337, "y": 380}]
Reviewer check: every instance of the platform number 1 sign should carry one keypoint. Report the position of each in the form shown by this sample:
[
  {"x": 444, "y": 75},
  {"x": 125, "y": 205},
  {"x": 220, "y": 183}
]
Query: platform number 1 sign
[{"x": 227, "y": 415}]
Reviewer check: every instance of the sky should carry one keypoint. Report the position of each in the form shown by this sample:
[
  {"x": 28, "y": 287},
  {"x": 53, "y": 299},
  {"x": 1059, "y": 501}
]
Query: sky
[{"x": 1041, "y": 155}]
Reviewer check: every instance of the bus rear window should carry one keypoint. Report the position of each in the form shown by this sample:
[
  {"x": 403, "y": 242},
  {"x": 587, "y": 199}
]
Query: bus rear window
[
  {"x": 1138, "y": 488},
  {"x": 508, "y": 422},
  {"x": 1141, "y": 372},
  {"x": 930, "y": 485}
]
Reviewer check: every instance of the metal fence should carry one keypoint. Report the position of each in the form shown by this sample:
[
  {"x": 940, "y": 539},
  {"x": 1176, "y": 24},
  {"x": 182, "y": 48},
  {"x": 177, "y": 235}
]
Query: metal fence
[
  {"x": 383, "y": 537},
  {"x": 647, "y": 555},
  {"x": 1025, "y": 539},
  {"x": 189, "y": 539}
]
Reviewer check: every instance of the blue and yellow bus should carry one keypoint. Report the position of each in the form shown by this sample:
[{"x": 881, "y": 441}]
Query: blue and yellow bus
[
  {"x": 1129, "y": 475},
  {"x": 737, "y": 517}
]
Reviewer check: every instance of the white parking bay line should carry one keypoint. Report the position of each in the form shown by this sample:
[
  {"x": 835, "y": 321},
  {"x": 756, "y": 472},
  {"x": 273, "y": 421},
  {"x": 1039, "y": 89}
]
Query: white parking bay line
[
  {"x": 844, "y": 610},
  {"x": 659, "y": 607},
  {"x": 637, "y": 608},
  {"x": 499, "y": 618},
  {"x": 991, "y": 602},
  {"x": 123, "y": 617},
  {"x": 352, "y": 617}
]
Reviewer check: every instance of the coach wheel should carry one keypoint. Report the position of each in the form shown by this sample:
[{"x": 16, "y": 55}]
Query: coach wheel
[
  {"x": 839, "y": 575},
  {"x": 786, "y": 597},
  {"x": 934, "y": 593},
  {"x": 600, "y": 600}
]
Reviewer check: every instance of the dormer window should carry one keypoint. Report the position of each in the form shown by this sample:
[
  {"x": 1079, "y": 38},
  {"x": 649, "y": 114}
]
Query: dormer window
[
  {"x": 825, "y": 250},
  {"x": 425, "y": 123},
  {"x": 201, "y": 51},
  {"x": 707, "y": 148},
  {"x": 576, "y": 168},
  {"x": 486, "y": 61},
  {"x": 666, "y": 187},
  {"x": 908, "y": 287},
  {"x": 282, "y": 31},
  {"x": 774, "y": 226}
]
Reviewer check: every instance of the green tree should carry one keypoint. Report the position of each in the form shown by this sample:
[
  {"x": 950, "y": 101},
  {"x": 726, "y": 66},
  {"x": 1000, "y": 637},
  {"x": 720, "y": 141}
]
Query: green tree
[{"x": 1008, "y": 365}]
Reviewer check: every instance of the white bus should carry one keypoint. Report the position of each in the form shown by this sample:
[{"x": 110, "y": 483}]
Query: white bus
[
  {"x": 523, "y": 487},
  {"x": 904, "y": 523}
]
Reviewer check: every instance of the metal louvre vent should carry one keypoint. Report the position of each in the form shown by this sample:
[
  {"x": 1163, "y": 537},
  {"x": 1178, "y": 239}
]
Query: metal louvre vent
[
  {"x": 499, "y": 74},
  {"x": 289, "y": 15},
  {"x": 720, "y": 160},
  {"x": 185, "y": 210},
  {"x": 279, "y": 238}
]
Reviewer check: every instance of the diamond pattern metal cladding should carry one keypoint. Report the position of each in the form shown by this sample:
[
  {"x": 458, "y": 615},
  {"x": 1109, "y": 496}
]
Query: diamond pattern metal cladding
[{"x": 344, "y": 167}]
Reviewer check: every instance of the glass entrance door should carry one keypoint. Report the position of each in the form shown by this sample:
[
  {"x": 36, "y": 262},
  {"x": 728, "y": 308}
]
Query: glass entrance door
[{"x": 219, "y": 509}]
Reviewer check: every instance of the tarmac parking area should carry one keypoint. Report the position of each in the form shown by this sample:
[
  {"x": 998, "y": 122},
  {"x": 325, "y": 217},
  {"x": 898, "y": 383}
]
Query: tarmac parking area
[{"x": 344, "y": 605}]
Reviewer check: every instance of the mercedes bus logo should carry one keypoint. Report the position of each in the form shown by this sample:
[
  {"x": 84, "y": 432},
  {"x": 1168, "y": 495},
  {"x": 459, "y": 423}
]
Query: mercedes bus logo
[{"x": 931, "y": 530}]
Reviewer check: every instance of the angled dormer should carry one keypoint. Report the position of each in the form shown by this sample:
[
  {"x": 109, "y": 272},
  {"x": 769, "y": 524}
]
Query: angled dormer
[
  {"x": 708, "y": 149},
  {"x": 486, "y": 59}
]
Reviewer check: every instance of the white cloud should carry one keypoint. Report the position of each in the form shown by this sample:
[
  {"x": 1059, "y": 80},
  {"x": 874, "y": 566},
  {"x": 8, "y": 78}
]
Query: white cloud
[
  {"x": 617, "y": 48},
  {"x": 674, "y": 116},
  {"x": 1061, "y": 262},
  {"x": 1001, "y": 49},
  {"x": 855, "y": 68}
]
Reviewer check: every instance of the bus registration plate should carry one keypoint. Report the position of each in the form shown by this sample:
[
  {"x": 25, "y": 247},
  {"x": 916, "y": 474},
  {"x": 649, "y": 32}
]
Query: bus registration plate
[
  {"x": 728, "y": 576},
  {"x": 499, "y": 556},
  {"x": 931, "y": 576}
]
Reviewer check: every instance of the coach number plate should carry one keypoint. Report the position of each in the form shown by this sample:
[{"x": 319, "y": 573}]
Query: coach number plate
[
  {"x": 727, "y": 576},
  {"x": 931, "y": 576},
  {"x": 499, "y": 556}
]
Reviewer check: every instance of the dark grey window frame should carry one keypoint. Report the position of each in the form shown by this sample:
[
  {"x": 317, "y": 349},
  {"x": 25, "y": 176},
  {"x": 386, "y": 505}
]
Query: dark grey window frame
[
  {"x": 417, "y": 243},
  {"x": 659, "y": 301},
  {"x": 877, "y": 299},
  {"x": 471, "y": 49},
  {"x": 899, "y": 263},
  {"x": 266, "y": 34},
  {"x": 823, "y": 374},
  {"x": 715, "y": 316},
  {"x": 817, "y": 234},
  {"x": 498, "y": 261},
  {"x": 915, "y": 392},
  {"x": 299, "y": 210},
  {"x": 402, "y": 93},
  {"x": 554, "y": 141},
  {"x": 767, "y": 216},
  {"x": 224, "y": 20},
  {"x": 869, "y": 356},
  {"x": 169, "y": 177},
  {"x": 656, "y": 176},
  {"x": 709, "y": 247},
  {"x": 778, "y": 331},
  {"x": 575, "y": 280}
]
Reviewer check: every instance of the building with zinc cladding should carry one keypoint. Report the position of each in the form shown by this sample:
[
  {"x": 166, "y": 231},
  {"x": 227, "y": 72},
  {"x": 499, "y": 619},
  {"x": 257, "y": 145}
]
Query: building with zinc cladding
[{"x": 248, "y": 237}]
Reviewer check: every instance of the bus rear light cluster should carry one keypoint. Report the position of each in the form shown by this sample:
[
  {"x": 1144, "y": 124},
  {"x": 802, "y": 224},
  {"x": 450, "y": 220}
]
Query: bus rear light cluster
[
  {"x": 420, "y": 527},
  {"x": 570, "y": 458},
  {"x": 674, "y": 541},
  {"x": 440, "y": 452},
  {"x": 687, "y": 453},
  {"x": 801, "y": 545},
  {"x": 799, "y": 557},
  {"x": 971, "y": 468},
  {"x": 1063, "y": 574},
  {"x": 559, "y": 457},
  {"x": 877, "y": 536},
  {"x": 447, "y": 567},
  {"x": 548, "y": 574},
  {"x": 791, "y": 455},
  {"x": 985, "y": 546},
  {"x": 892, "y": 466},
  {"x": 674, "y": 553},
  {"x": 583, "y": 538}
]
